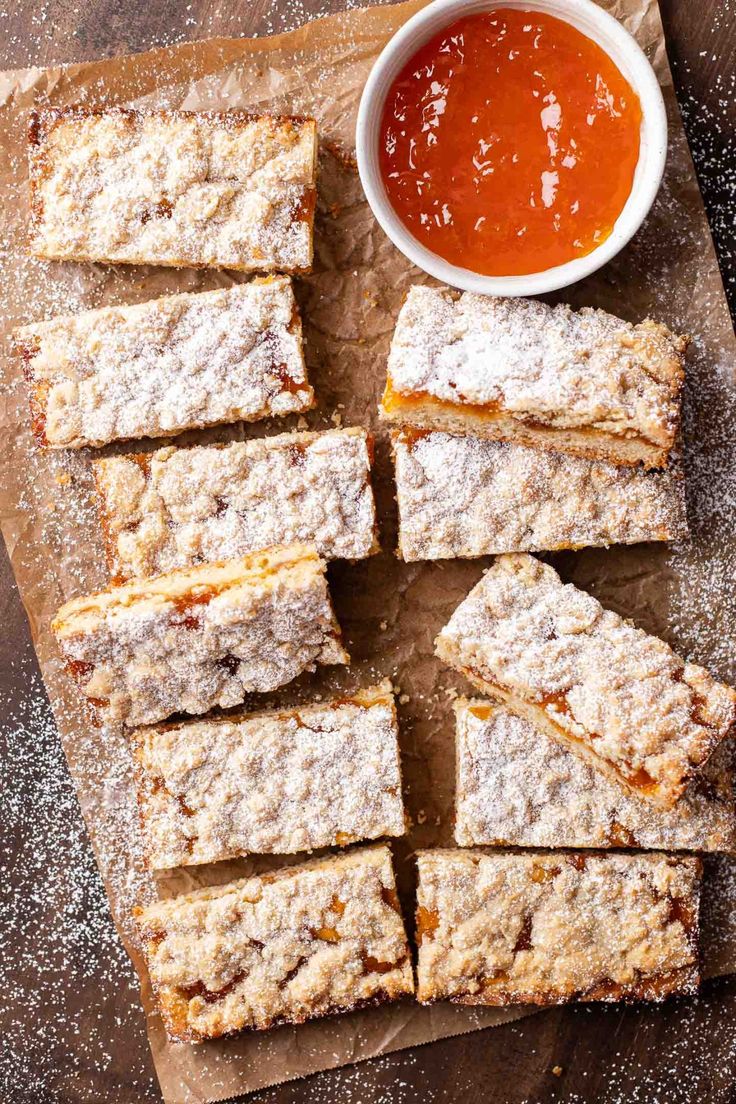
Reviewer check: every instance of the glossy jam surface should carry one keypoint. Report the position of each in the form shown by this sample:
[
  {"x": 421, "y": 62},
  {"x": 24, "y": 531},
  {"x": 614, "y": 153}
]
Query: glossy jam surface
[{"x": 509, "y": 143}]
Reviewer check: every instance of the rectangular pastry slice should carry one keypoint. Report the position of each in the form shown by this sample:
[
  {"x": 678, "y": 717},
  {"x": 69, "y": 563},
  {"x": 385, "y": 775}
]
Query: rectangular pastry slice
[
  {"x": 200, "y": 637},
  {"x": 177, "y": 507},
  {"x": 275, "y": 782},
  {"x": 463, "y": 496},
  {"x": 326, "y": 936},
  {"x": 187, "y": 189},
  {"x": 516, "y": 787},
  {"x": 548, "y": 377},
  {"x": 587, "y": 677},
  {"x": 548, "y": 928},
  {"x": 155, "y": 369}
]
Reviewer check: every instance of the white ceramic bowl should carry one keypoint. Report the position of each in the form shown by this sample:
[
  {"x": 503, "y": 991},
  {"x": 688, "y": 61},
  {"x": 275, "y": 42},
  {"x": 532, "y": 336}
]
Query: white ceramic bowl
[{"x": 630, "y": 59}]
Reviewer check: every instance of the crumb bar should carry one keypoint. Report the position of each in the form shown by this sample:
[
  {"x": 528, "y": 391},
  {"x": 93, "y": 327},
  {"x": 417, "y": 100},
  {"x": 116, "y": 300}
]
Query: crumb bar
[
  {"x": 516, "y": 787},
  {"x": 186, "y": 189},
  {"x": 272, "y": 782},
  {"x": 155, "y": 369},
  {"x": 584, "y": 675},
  {"x": 548, "y": 377},
  {"x": 200, "y": 637},
  {"x": 463, "y": 496},
  {"x": 177, "y": 507},
  {"x": 326, "y": 936},
  {"x": 548, "y": 928}
]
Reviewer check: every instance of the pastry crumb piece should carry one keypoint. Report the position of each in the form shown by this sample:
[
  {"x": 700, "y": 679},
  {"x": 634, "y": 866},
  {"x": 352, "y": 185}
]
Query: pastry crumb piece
[
  {"x": 200, "y": 637},
  {"x": 158, "y": 368},
  {"x": 552, "y": 927},
  {"x": 583, "y": 381},
  {"x": 222, "y": 189},
  {"x": 323, "y": 937},
  {"x": 178, "y": 507},
  {"x": 517, "y": 787},
  {"x": 462, "y": 496},
  {"x": 583, "y": 675},
  {"x": 275, "y": 782}
]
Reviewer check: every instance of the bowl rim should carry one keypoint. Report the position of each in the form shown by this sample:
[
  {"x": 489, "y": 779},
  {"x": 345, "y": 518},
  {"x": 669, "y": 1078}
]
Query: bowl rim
[{"x": 625, "y": 52}]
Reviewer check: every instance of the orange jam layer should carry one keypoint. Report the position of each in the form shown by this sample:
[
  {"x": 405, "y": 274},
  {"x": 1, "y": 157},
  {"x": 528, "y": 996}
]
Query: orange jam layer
[
  {"x": 509, "y": 143},
  {"x": 393, "y": 400}
]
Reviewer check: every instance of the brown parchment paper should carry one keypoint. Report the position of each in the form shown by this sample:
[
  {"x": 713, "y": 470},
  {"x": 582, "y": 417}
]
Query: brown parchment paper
[{"x": 390, "y": 612}]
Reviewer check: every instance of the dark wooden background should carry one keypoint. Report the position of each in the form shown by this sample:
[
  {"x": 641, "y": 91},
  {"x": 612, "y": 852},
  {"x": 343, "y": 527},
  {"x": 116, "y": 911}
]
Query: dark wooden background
[{"x": 71, "y": 1024}]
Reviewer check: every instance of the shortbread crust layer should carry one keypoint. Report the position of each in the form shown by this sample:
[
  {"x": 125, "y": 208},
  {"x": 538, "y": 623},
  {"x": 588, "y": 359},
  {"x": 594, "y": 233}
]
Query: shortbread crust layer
[
  {"x": 201, "y": 637},
  {"x": 187, "y": 189},
  {"x": 158, "y": 368},
  {"x": 326, "y": 936},
  {"x": 273, "y": 783},
  {"x": 516, "y": 787},
  {"x": 547, "y": 377},
  {"x": 583, "y": 675},
  {"x": 177, "y": 507},
  {"x": 548, "y": 928},
  {"x": 461, "y": 496}
]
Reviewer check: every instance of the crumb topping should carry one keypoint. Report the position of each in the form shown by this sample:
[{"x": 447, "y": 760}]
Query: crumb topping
[
  {"x": 273, "y": 783},
  {"x": 221, "y": 189},
  {"x": 322, "y": 937},
  {"x": 560, "y": 367},
  {"x": 611, "y": 690},
  {"x": 194, "y": 639},
  {"x": 518, "y": 787},
  {"x": 178, "y": 507},
  {"x": 168, "y": 365},
  {"x": 464, "y": 496},
  {"x": 546, "y": 928}
]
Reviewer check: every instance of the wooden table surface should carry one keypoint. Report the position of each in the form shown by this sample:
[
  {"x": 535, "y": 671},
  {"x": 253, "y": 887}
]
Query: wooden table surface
[{"x": 69, "y": 1014}]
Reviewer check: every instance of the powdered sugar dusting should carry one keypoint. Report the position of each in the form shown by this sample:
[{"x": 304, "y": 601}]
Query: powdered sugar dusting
[
  {"x": 66, "y": 970},
  {"x": 707, "y": 564}
]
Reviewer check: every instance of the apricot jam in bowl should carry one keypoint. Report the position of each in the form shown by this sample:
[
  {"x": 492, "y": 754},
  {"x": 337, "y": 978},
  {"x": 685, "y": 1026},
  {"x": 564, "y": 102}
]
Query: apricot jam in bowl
[{"x": 511, "y": 147}]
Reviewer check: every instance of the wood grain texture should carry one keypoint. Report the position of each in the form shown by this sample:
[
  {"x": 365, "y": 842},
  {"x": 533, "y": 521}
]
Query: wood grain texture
[{"x": 69, "y": 1011}]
